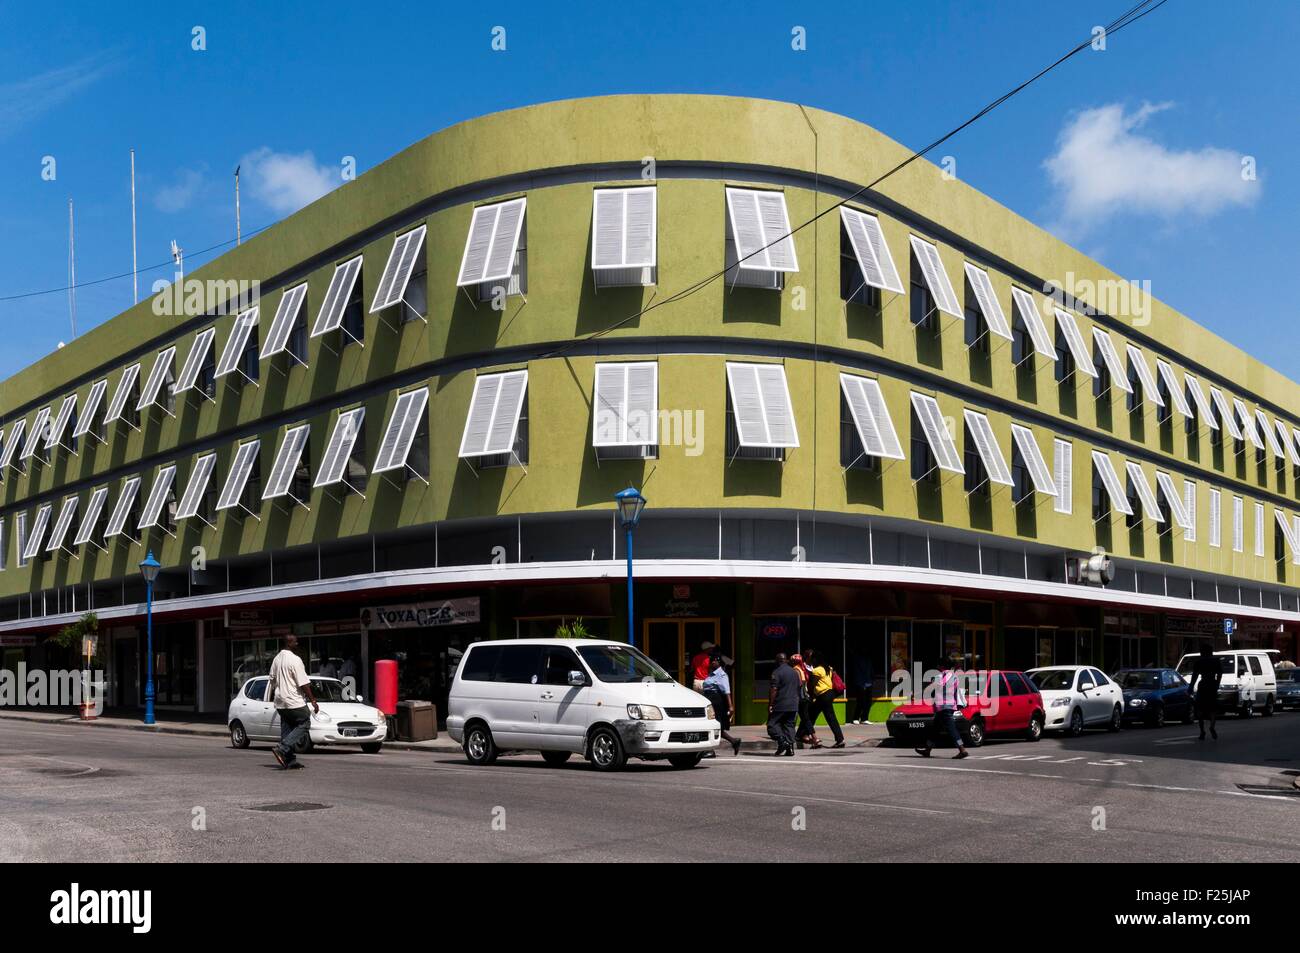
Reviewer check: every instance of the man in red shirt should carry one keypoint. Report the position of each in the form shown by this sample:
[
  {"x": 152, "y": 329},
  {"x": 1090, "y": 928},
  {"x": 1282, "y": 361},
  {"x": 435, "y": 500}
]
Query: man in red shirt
[{"x": 700, "y": 665}]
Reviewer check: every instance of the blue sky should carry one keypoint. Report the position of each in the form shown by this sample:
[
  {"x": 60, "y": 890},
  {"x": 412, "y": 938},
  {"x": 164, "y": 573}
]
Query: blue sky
[{"x": 1132, "y": 154}]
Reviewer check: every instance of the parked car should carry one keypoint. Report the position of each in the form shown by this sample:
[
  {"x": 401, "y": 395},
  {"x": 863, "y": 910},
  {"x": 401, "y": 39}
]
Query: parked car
[
  {"x": 1288, "y": 687},
  {"x": 603, "y": 700},
  {"x": 1154, "y": 695},
  {"x": 340, "y": 721},
  {"x": 1248, "y": 681},
  {"x": 1078, "y": 696},
  {"x": 997, "y": 703}
]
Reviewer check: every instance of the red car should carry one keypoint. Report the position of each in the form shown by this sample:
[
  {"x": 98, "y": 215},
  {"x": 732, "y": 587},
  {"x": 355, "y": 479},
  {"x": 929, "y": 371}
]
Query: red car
[{"x": 997, "y": 703}]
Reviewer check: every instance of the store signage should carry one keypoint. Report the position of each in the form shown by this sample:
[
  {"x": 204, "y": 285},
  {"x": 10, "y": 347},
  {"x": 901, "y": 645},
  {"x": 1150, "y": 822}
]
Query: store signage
[
  {"x": 774, "y": 630},
  {"x": 419, "y": 615},
  {"x": 16, "y": 641},
  {"x": 248, "y": 618},
  {"x": 681, "y": 592}
]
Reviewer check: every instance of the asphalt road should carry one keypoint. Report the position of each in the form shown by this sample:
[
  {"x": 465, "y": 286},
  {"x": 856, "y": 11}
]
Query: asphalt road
[{"x": 82, "y": 793}]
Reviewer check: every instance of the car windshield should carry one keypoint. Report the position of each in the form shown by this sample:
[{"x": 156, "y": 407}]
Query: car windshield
[
  {"x": 1138, "y": 679},
  {"x": 1054, "y": 680},
  {"x": 621, "y": 663},
  {"x": 328, "y": 690},
  {"x": 1227, "y": 664}
]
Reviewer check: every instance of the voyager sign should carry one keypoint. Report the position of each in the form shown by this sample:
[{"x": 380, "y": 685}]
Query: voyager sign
[{"x": 419, "y": 615}]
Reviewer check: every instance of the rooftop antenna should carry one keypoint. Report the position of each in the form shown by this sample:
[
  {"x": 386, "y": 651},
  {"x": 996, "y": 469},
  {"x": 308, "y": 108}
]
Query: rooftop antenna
[
  {"x": 135, "y": 279},
  {"x": 72, "y": 271},
  {"x": 238, "y": 237},
  {"x": 178, "y": 257}
]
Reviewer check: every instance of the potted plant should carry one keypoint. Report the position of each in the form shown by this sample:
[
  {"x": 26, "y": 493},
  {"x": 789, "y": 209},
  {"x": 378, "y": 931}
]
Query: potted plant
[{"x": 83, "y": 635}]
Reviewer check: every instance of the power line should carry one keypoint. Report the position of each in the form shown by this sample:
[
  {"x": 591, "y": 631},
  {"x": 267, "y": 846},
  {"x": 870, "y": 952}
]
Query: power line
[
  {"x": 126, "y": 274},
  {"x": 1128, "y": 18}
]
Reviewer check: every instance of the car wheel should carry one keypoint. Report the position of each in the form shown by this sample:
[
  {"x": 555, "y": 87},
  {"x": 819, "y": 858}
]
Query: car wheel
[
  {"x": 975, "y": 733},
  {"x": 479, "y": 746},
  {"x": 372, "y": 747},
  {"x": 605, "y": 749},
  {"x": 1245, "y": 710},
  {"x": 555, "y": 758},
  {"x": 1076, "y": 723},
  {"x": 1035, "y": 732},
  {"x": 685, "y": 760},
  {"x": 1158, "y": 717},
  {"x": 238, "y": 736},
  {"x": 1269, "y": 707},
  {"x": 1116, "y": 719}
]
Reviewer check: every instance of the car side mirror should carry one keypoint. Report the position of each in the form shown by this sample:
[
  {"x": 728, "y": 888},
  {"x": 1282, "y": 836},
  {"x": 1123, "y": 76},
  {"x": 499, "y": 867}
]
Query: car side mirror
[{"x": 577, "y": 679}]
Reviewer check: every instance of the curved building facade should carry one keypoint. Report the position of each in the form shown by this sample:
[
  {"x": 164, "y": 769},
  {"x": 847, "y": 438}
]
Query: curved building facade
[{"x": 889, "y": 436}]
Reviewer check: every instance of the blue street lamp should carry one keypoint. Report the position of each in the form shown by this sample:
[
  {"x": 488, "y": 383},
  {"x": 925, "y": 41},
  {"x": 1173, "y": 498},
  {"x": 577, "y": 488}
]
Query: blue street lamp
[
  {"x": 149, "y": 569},
  {"x": 630, "y": 504}
]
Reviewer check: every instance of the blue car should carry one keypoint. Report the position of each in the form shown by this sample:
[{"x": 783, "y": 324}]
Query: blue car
[
  {"x": 1288, "y": 688},
  {"x": 1154, "y": 696}
]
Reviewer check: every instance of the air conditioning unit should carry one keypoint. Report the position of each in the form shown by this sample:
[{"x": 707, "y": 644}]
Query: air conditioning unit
[{"x": 1097, "y": 569}]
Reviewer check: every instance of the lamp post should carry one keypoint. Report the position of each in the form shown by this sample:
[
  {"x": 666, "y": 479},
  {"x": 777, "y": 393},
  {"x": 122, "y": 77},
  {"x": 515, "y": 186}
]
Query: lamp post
[
  {"x": 149, "y": 568},
  {"x": 630, "y": 504}
]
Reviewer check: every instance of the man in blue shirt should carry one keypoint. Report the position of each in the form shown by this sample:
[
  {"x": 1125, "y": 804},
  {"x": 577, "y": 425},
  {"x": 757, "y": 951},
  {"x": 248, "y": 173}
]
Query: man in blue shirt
[{"x": 717, "y": 689}]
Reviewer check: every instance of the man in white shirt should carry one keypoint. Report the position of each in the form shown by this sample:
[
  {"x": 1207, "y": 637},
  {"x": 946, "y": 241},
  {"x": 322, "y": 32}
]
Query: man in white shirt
[{"x": 291, "y": 691}]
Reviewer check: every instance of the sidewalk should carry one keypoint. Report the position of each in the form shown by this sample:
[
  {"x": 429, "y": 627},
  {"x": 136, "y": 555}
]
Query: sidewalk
[{"x": 753, "y": 737}]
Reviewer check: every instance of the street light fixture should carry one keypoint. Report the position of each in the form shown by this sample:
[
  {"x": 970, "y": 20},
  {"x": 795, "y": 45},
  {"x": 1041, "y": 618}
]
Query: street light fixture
[
  {"x": 149, "y": 568},
  {"x": 630, "y": 504}
]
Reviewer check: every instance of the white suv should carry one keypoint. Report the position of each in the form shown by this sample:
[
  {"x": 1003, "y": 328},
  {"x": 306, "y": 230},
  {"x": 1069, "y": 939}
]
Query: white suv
[
  {"x": 603, "y": 700},
  {"x": 1248, "y": 681}
]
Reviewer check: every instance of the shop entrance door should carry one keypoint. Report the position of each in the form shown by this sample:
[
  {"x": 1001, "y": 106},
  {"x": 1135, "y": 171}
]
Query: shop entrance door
[
  {"x": 125, "y": 682},
  {"x": 977, "y": 646},
  {"x": 672, "y": 643}
]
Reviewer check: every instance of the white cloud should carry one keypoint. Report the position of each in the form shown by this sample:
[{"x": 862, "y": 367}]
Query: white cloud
[
  {"x": 1103, "y": 168},
  {"x": 24, "y": 100},
  {"x": 285, "y": 182},
  {"x": 180, "y": 194}
]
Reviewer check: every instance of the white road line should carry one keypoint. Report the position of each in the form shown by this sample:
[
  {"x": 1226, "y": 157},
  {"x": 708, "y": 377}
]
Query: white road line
[{"x": 823, "y": 800}]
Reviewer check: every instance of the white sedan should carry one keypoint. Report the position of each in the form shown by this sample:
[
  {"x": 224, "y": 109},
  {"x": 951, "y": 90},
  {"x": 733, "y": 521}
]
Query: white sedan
[
  {"x": 1078, "y": 696},
  {"x": 341, "y": 721}
]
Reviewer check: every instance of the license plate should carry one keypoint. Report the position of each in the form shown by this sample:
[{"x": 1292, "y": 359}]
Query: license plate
[
  {"x": 694, "y": 737},
  {"x": 917, "y": 724},
  {"x": 350, "y": 732}
]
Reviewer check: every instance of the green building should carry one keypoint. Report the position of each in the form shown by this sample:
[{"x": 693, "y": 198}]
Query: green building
[{"x": 395, "y": 423}]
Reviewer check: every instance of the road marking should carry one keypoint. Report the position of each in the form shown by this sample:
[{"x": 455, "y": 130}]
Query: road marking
[{"x": 823, "y": 800}]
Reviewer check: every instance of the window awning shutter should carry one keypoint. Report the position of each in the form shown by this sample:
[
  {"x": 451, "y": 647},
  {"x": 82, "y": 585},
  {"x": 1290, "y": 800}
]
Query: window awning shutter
[
  {"x": 153, "y": 506},
  {"x": 60, "y": 424},
  {"x": 936, "y": 432},
  {"x": 332, "y": 309},
  {"x": 871, "y": 250},
  {"x": 1150, "y": 506},
  {"x": 64, "y": 523},
  {"x": 760, "y": 227},
  {"x": 338, "y": 451},
  {"x": 936, "y": 276},
  {"x": 125, "y": 501},
  {"x": 492, "y": 242},
  {"x": 760, "y": 402},
  {"x": 994, "y": 317},
  {"x": 158, "y": 374},
  {"x": 36, "y": 436},
  {"x": 494, "y": 410},
  {"x": 13, "y": 443},
  {"x": 200, "y": 477},
  {"x": 1149, "y": 389},
  {"x": 1226, "y": 416},
  {"x": 871, "y": 417},
  {"x": 403, "y": 425},
  {"x": 1203, "y": 408},
  {"x": 986, "y": 444},
  {"x": 627, "y": 405},
  {"x": 401, "y": 265},
  {"x": 1110, "y": 357},
  {"x": 1074, "y": 340},
  {"x": 287, "y": 459},
  {"x": 1266, "y": 428},
  {"x": 90, "y": 519},
  {"x": 1288, "y": 533},
  {"x": 86, "y": 422},
  {"x": 1176, "y": 501},
  {"x": 238, "y": 340},
  {"x": 1110, "y": 480},
  {"x": 1247, "y": 422},
  {"x": 37, "y": 533},
  {"x": 1033, "y": 321},
  {"x": 124, "y": 387},
  {"x": 240, "y": 470},
  {"x": 1176, "y": 391},
  {"x": 1033, "y": 457},
  {"x": 623, "y": 226},
  {"x": 195, "y": 360},
  {"x": 1284, "y": 438},
  {"x": 286, "y": 316}
]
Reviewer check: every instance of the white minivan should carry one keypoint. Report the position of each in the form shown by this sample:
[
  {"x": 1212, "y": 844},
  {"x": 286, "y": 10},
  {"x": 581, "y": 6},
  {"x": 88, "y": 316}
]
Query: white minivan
[
  {"x": 1248, "y": 681},
  {"x": 601, "y": 699}
]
